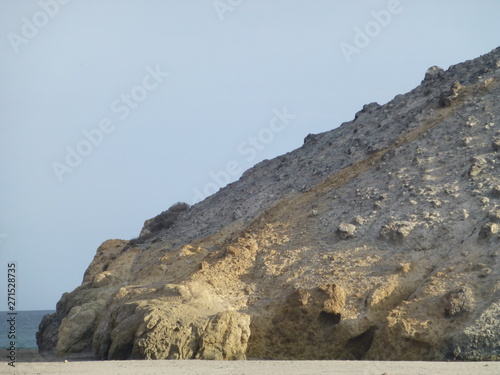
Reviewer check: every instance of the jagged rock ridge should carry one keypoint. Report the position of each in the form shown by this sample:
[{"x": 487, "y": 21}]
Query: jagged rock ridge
[{"x": 376, "y": 240}]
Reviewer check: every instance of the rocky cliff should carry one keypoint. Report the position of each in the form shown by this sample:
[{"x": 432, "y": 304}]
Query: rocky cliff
[{"x": 379, "y": 239}]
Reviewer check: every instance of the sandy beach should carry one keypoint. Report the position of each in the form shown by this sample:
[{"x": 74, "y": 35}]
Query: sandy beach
[
  {"x": 196, "y": 367},
  {"x": 30, "y": 362}
]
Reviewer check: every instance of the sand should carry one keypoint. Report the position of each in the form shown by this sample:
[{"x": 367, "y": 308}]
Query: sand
[
  {"x": 30, "y": 362},
  {"x": 195, "y": 367}
]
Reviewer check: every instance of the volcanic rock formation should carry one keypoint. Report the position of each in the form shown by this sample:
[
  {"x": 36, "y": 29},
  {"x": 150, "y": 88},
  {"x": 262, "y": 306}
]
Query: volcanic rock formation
[{"x": 379, "y": 240}]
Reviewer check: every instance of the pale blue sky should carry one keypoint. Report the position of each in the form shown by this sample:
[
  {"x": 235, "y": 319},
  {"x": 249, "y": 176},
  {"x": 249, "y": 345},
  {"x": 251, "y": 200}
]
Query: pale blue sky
[{"x": 231, "y": 69}]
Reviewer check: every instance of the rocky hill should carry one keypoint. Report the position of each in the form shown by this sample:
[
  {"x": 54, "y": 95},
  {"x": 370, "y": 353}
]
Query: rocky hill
[{"x": 379, "y": 239}]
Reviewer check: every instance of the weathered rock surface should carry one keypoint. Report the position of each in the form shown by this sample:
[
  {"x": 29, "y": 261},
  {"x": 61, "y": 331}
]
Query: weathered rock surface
[{"x": 376, "y": 240}]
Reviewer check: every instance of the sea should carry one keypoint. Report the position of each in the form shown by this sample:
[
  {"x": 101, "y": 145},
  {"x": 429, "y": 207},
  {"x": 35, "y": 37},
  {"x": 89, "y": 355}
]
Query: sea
[{"x": 26, "y": 327}]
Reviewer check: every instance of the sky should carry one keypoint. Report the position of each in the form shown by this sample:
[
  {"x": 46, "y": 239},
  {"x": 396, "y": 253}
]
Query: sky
[{"x": 113, "y": 110}]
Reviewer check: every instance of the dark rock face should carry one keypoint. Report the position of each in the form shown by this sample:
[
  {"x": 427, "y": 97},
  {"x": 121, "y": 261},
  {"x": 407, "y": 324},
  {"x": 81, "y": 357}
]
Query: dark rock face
[
  {"x": 376, "y": 240},
  {"x": 164, "y": 220}
]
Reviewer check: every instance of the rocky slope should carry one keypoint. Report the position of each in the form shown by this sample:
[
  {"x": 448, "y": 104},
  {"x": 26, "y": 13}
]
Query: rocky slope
[{"x": 379, "y": 239}]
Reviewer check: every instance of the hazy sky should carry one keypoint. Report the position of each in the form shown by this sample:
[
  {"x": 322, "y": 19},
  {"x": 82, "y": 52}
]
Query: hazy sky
[{"x": 113, "y": 110}]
